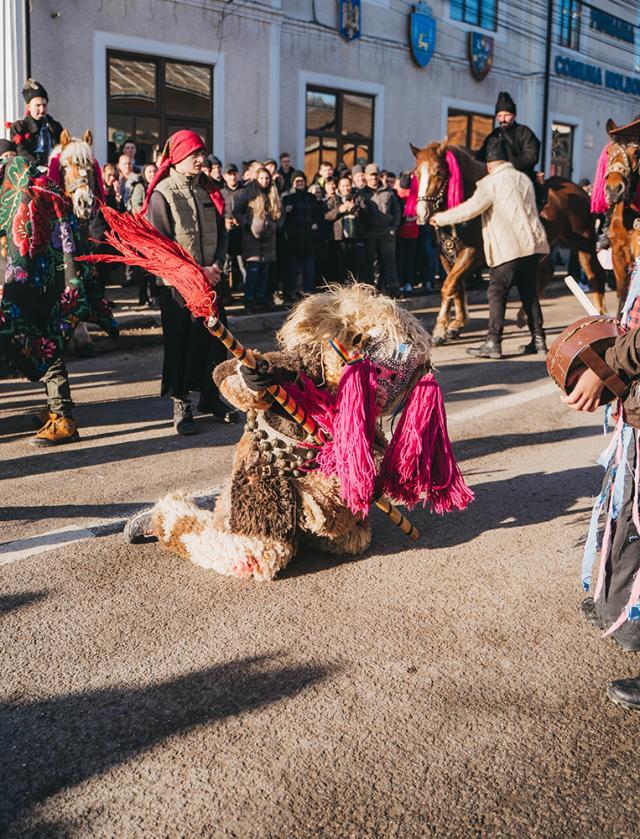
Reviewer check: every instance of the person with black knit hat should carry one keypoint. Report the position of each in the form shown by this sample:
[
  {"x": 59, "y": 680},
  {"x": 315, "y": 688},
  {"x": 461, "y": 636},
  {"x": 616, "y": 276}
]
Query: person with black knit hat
[
  {"x": 521, "y": 144},
  {"x": 36, "y": 133},
  {"x": 513, "y": 239}
]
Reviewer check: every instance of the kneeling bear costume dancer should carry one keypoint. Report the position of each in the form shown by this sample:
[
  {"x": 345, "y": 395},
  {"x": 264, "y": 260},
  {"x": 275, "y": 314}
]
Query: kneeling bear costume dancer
[
  {"x": 284, "y": 491},
  {"x": 348, "y": 358}
]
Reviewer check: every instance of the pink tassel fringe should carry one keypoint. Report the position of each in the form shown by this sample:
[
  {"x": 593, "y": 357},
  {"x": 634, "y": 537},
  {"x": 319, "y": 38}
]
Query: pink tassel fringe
[
  {"x": 455, "y": 190},
  {"x": 419, "y": 462},
  {"x": 599, "y": 203},
  {"x": 350, "y": 419}
]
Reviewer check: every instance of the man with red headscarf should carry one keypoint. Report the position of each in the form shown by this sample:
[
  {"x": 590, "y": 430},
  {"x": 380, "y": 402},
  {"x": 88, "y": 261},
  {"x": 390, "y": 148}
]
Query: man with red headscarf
[{"x": 186, "y": 206}]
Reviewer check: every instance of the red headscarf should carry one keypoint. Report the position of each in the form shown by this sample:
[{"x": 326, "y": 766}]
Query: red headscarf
[{"x": 178, "y": 146}]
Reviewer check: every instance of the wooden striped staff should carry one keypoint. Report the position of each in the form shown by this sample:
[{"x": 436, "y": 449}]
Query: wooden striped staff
[
  {"x": 244, "y": 356},
  {"x": 136, "y": 242}
]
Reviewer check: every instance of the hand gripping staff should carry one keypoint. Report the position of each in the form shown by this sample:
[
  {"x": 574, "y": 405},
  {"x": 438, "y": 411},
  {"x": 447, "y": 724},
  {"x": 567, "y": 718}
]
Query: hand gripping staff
[{"x": 138, "y": 243}]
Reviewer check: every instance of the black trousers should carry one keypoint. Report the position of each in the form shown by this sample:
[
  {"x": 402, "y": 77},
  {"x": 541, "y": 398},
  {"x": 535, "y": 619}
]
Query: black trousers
[
  {"x": 522, "y": 273},
  {"x": 406, "y": 260},
  {"x": 381, "y": 257},
  {"x": 190, "y": 352}
]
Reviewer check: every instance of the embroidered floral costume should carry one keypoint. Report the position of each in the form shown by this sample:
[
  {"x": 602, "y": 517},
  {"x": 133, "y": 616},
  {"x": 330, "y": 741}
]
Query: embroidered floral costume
[{"x": 44, "y": 292}]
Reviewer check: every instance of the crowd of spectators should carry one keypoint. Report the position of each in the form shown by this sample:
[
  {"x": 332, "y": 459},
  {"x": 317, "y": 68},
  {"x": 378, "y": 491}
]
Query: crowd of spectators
[{"x": 288, "y": 237}]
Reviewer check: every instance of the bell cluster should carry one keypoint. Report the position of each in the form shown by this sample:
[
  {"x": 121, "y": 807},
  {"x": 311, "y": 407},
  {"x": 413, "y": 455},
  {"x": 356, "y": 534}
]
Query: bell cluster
[{"x": 280, "y": 457}]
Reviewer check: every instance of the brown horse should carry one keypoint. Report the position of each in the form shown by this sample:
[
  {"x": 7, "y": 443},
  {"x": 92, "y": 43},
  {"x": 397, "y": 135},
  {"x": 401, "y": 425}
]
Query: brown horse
[
  {"x": 566, "y": 217},
  {"x": 620, "y": 185}
]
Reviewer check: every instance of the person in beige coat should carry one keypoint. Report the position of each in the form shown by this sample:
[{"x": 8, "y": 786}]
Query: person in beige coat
[{"x": 513, "y": 239}]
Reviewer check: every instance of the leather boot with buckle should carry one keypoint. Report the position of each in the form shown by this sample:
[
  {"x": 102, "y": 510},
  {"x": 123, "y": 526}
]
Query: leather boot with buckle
[
  {"x": 537, "y": 344},
  {"x": 183, "y": 421},
  {"x": 489, "y": 349},
  {"x": 56, "y": 431}
]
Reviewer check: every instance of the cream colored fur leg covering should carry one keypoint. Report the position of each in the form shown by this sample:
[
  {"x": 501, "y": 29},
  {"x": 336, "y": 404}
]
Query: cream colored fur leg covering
[{"x": 190, "y": 532}]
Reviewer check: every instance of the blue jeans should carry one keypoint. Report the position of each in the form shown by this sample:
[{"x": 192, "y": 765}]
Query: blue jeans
[
  {"x": 255, "y": 284},
  {"x": 306, "y": 264}
]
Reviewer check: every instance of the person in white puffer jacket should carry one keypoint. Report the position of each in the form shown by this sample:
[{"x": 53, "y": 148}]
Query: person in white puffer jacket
[{"x": 513, "y": 238}]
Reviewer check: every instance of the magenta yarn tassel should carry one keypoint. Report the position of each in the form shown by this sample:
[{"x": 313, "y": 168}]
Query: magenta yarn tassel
[
  {"x": 419, "y": 462},
  {"x": 318, "y": 403},
  {"x": 350, "y": 419},
  {"x": 354, "y": 429},
  {"x": 455, "y": 189},
  {"x": 599, "y": 203}
]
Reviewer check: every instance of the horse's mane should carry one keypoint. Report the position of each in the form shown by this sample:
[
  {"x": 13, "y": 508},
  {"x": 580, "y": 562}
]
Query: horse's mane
[
  {"x": 472, "y": 169},
  {"x": 77, "y": 152}
]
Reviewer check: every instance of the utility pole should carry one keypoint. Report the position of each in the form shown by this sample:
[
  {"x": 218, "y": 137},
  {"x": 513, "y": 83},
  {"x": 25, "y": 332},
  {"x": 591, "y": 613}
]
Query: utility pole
[{"x": 547, "y": 77}]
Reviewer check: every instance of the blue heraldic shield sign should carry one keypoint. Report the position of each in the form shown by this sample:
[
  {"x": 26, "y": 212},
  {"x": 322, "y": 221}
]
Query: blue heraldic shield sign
[
  {"x": 350, "y": 19},
  {"x": 422, "y": 34},
  {"x": 480, "y": 54}
]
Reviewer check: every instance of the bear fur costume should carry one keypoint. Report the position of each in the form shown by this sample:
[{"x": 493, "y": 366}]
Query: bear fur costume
[{"x": 271, "y": 506}]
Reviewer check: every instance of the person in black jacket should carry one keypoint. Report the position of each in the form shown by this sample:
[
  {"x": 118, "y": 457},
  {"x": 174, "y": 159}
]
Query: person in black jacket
[
  {"x": 521, "y": 144},
  {"x": 303, "y": 217},
  {"x": 37, "y": 133},
  {"x": 233, "y": 271},
  {"x": 382, "y": 216},
  {"x": 346, "y": 246}
]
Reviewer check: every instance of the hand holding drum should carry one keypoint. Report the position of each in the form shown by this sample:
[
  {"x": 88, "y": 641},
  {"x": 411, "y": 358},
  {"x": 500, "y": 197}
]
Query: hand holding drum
[{"x": 582, "y": 346}]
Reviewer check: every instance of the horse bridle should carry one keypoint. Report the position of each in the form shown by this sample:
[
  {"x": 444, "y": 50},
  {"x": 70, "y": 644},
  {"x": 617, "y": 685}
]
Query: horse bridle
[
  {"x": 449, "y": 242},
  {"x": 434, "y": 202},
  {"x": 83, "y": 180},
  {"x": 622, "y": 167}
]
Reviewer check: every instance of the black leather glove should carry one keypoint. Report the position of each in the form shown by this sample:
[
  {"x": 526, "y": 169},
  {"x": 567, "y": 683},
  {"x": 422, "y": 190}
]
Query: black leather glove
[{"x": 260, "y": 377}]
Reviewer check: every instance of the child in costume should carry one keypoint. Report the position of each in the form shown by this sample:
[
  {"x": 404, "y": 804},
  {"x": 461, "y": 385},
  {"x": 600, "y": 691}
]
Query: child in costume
[
  {"x": 615, "y": 521},
  {"x": 349, "y": 357}
]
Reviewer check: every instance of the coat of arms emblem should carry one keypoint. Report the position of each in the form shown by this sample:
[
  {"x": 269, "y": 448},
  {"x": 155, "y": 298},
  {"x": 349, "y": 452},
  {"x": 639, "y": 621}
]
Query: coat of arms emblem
[
  {"x": 350, "y": 19},
  {"x": 480, "y": 54},
  {"x": 422, "y": 34}
]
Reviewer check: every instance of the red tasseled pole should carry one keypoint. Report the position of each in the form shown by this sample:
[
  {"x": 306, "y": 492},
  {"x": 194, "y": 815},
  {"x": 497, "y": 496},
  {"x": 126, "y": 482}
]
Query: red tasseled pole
[{"x": 138, "y": 243}]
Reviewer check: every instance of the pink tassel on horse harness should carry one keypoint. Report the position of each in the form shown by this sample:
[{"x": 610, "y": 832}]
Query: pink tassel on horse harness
[
  {"x": 419, "y": 462},
  {"x": 455, "y": 189},
  {"x": 599, "y": 203}
]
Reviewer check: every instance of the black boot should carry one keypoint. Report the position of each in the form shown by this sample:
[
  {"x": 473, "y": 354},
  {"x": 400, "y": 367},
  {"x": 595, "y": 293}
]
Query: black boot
[
  {"x": 625, "y": 692},
  {"x": 489, "y": 349},
  {"x": 183, "y": 421},
  {"x": 537, "y": 344},
  {"x": 219, "y": 410}
]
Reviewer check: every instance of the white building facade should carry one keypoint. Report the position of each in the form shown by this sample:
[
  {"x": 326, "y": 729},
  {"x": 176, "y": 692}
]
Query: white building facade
[{"x": 259, "y": 78}]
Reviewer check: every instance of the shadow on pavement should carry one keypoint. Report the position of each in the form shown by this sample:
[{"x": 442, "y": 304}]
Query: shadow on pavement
[
  {"x": 481, "y": 446},
  {"x": 456, "y": 379},
  {"x": 52, "y": 744},
  {"x": 524, "y": 500},
  {"x": 68, "y": 457},
  {"x": 12, "y": 602},
  {"x": 67, "y": 511}
]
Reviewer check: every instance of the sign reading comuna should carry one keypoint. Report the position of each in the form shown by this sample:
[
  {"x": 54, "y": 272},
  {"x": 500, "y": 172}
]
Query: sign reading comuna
[{"x": 590, "y": 73}]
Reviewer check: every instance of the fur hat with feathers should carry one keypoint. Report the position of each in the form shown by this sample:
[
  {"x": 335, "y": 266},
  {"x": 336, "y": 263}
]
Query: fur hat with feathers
[{"x": 31, "y": 89}]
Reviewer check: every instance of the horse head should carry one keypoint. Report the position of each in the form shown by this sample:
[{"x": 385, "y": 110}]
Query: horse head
[
  {"x": 623, "y": 161},
  {"x": 76, "y": 163},
  {"x": 433, "y": 175}
]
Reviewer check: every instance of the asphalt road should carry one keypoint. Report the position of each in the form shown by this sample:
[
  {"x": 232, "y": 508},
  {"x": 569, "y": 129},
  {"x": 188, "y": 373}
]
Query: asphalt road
[{"x": 447, "y": 688}]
